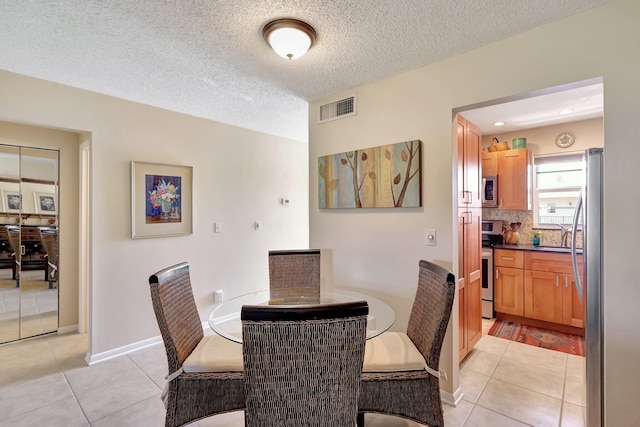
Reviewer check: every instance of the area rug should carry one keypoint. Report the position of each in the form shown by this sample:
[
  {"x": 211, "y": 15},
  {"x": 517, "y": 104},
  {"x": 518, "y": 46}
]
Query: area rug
[{"x": 545, "y": 338}]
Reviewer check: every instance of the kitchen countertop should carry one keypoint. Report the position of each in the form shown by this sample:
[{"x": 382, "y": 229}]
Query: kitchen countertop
[{"x": 556, "y": 249}]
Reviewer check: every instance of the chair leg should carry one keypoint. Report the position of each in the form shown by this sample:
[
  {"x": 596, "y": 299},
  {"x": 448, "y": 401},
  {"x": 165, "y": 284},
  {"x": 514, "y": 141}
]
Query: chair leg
[{"x": 360, "y": 419}]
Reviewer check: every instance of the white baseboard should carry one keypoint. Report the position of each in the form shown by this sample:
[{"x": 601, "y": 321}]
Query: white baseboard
[
  {"x": 68, "y": 329},
  {"x": 106, "y": 355},
  {"x": 451, "y": 399},
  {"x": 101, "y": 357}
]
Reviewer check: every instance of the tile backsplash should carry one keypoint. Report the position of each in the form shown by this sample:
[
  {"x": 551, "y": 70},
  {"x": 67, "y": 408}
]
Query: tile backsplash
[{"x": 551, "y": 235}]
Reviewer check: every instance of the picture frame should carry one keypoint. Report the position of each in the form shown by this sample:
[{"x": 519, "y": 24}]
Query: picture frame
[
  {"x": 45, "y": 203},
  {"x": 386, "y": 176},
  {"x": 161, "y": 200},
  {"x": 11, "y": 201}
]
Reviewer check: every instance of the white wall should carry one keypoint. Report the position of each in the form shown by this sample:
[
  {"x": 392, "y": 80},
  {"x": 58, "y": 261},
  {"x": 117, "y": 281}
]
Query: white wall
[
  {"x": 239, "y": 177},
  {"x": 379, "y": 250}
]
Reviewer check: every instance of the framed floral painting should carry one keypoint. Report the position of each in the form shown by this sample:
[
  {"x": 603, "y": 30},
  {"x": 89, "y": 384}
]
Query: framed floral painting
[
  {"x": 11, "y": 201},
  {"x": 45, "y": 203},
  {"x": 161, "y": 200}
]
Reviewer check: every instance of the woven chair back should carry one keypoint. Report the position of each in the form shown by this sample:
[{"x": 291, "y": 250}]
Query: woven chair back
[
  {"x": 294, "y": 273},
  {"x": 49, "y": 239},
  {"x": 431, "y": 310},
  {"x": 303, "y": 364},
  {"x": 176, "y": 312}
]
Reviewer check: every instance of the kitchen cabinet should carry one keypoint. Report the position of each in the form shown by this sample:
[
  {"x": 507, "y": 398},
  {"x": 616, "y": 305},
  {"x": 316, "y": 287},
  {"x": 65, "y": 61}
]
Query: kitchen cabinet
[
  {"x": 538, "y": 286},
  {"x": 489, "y": 163},
  {"x": 508, "y": 282},
  {"x": 469, "y": 215},
  {"x": 513, "y": 168},
  {"x": 550, "y": 293},
  {"x": 469, "y": 171}
]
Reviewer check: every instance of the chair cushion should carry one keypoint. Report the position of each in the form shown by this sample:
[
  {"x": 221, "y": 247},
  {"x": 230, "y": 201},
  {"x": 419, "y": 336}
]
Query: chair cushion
[
  {"x": 390, "y": 352},
  {"x": 214, "y": 354}
]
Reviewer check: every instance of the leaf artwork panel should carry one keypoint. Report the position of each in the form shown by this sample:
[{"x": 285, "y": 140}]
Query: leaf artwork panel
[{"x": 378, "y": 177}]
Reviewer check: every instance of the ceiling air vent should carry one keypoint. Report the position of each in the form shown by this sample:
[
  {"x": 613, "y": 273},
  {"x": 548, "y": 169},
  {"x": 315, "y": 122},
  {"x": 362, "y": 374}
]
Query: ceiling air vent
[{"x": 338, "y": 109}]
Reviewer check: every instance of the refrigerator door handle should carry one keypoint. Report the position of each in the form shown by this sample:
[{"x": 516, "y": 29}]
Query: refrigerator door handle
[{"x": 574, "y": 256}]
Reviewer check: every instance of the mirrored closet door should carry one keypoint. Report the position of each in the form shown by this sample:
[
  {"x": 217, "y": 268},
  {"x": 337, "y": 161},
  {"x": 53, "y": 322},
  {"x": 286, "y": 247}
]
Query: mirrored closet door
[{"x": 29, "y": 267}]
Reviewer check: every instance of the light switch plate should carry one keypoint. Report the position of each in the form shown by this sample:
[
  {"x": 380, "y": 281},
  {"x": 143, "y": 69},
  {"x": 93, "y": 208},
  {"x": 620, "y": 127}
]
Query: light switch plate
[
  {"x": 431, "y": 236},
  {"x": 217, "y": 227}
]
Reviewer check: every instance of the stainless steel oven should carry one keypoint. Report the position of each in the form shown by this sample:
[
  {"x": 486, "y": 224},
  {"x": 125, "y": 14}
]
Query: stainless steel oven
[{"x": 487, "y": 283}]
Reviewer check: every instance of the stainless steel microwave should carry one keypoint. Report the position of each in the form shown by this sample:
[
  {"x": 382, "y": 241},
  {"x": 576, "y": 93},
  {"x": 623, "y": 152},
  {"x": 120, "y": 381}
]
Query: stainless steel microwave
[
  {"x": 490, "y": 191},
  {"x": 492, "y": 227}
]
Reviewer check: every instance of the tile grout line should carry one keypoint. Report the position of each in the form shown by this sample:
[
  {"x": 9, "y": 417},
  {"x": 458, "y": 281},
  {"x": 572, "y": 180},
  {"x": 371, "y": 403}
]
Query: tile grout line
[{"x": 66, "y": 380}]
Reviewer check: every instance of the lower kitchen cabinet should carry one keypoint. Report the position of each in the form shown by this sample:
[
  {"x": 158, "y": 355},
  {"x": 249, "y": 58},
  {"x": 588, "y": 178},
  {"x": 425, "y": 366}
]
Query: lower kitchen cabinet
[
  {"x": 573, "y": 309},
  {"x": 508, "y": 291},
  {"x": 469, "y": 279},
  {"x": 543, "y": 295},
  {"x": 537, "y": 285},
  {"x": 508, "y": 287}
]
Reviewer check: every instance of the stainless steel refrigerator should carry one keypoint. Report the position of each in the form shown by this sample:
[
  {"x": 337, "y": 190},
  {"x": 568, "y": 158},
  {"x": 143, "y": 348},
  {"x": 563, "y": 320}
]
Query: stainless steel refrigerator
[{"x": 590, "y": 205}]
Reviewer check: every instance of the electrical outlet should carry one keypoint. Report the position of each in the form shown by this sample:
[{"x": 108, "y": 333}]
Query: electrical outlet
[
  {"x": 217, "y": 296},
  {"x": 431, "y": 236},
  {"x": 257, "y": 226}
]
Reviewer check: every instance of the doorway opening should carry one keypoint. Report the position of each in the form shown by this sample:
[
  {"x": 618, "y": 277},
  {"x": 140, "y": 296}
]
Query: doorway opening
[{"x": 556, "y": 110}]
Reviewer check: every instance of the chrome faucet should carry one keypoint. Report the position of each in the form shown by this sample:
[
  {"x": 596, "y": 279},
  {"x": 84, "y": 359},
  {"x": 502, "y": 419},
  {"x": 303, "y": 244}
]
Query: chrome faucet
[{"x": 564, "y": 235}]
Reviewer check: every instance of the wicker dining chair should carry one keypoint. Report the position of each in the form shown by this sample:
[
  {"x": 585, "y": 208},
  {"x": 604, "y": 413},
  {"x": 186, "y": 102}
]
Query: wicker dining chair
[
  {"x": 294, "y": 273},
  {"x": 49, "y": 239},
  {"x": 205, "y": 372},
  {"x": 401, "y": 373},
  {"x": 13, "y": 233},
  {"x": 303, "y": 364}
]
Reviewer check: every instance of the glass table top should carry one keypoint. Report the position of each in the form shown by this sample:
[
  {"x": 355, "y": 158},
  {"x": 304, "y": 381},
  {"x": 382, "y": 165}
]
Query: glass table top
[{"x": 225, "y": 316}]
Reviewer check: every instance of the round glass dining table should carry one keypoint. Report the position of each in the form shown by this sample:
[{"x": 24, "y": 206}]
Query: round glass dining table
[{"x": 225, "y": 316}]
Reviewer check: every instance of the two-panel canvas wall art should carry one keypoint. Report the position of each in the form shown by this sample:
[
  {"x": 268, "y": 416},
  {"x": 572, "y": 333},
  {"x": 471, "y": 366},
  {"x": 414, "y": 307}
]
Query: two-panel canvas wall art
[{"x": 379, "y": 177}]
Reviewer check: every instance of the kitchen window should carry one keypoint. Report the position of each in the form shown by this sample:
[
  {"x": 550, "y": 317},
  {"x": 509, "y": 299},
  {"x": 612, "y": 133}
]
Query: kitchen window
[{"x": 558, "y": 182}]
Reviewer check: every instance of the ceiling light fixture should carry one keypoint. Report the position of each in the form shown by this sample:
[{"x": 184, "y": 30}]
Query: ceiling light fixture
[
  {"x": 498, "y": 124},
  {"x": 567, "y": 111},
  {"x": 288, "y": 37}
]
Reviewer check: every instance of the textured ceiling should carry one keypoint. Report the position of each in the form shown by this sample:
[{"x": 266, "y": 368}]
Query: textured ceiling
[{"x": 207, "y": 58}]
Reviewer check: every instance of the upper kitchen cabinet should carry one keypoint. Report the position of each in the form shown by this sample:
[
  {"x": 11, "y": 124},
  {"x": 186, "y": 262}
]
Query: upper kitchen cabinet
[
  {"x": 513, "y": 168},
  {"x": 469, "y": 173}
]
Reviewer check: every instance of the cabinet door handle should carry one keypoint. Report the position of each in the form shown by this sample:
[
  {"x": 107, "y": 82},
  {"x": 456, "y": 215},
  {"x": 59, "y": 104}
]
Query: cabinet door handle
[
  {"x": 467, "y": 218},
  {"x": 557, "y": 281},
  {"x": 508, "y": 258},
  {"x": 566, "y": 282},
  {"x": 497, "y": 275}
]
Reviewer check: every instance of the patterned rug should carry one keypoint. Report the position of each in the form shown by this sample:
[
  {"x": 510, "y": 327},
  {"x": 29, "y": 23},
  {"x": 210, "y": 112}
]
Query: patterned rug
[{"x": 545, "y": 338}]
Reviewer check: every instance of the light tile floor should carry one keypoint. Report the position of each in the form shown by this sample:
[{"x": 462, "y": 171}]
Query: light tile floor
[{"x": 45, "y": 382}]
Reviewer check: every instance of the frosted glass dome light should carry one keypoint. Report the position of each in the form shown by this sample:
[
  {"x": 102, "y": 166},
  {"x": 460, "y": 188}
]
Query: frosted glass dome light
[{"x": 289, "y": 38}]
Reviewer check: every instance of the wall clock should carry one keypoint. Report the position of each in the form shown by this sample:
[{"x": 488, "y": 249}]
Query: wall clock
[{"x": 565, "y": 139}]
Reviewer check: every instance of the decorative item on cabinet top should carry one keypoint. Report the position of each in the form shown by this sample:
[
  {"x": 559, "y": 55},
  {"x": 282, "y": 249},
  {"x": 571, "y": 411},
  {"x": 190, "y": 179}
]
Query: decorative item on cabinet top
[
  {"x": 498, "y": 146},
  {"x": 518, "y": 143},
  {"x": 379, "y": 177}
]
